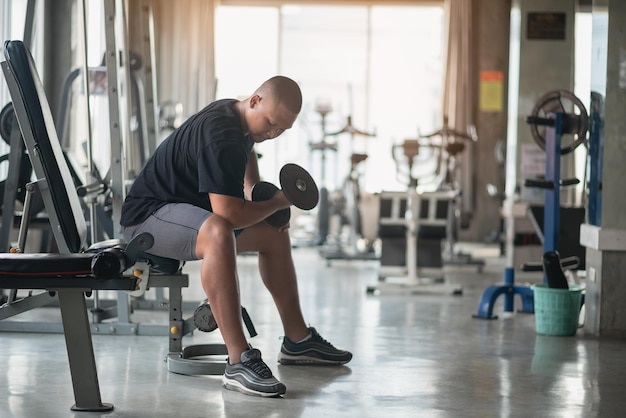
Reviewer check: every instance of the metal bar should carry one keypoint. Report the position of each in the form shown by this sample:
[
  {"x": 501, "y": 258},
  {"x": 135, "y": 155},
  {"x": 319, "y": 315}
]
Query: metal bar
[
  {"x": 80, "y": 351},
  {"x": 176, "y": 320},
  {"x": 117, "y": 66},
  {"x": 552, "y": 196},
  {"x": 29, "y": 23},
  {"x": 11, "y": 185},
  {"x": 25, "y": 304},
  {"x": 151, "y": 134},
  {"x": 26, "y": 214},
  {"x": 105, "y": 328}
]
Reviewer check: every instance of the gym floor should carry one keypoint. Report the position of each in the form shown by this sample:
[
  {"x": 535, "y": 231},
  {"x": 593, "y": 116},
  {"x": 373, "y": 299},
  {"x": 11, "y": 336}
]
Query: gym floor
[{"x": 414, "y": 355}]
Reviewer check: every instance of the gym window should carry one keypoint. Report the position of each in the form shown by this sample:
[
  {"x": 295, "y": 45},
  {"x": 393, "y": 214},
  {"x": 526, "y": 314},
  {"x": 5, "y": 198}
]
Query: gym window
[{"x": 381, "y": 65}]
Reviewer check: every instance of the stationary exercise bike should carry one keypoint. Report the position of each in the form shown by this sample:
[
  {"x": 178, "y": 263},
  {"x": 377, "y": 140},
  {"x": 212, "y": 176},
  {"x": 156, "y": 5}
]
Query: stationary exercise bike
[{"x": 347, "y": 204}]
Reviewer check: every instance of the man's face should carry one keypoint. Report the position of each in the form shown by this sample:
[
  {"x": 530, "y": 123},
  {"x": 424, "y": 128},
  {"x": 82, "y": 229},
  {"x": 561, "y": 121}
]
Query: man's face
[{"x": 267, "y": 120}]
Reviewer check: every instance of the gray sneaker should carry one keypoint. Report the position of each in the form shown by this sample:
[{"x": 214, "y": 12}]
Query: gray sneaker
[
  {"x": 314, "y": 351},
  {"x": 252, "y": 376}
]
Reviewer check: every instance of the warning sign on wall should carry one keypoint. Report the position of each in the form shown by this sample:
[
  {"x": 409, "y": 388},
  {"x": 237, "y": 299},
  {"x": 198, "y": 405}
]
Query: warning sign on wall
[{"x": 491, "y": 91}]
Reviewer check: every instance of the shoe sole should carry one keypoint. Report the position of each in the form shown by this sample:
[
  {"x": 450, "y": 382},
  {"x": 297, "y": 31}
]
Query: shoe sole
[
  {"x": 237, "y": 386},
  {"x": 288, "y": 360}
]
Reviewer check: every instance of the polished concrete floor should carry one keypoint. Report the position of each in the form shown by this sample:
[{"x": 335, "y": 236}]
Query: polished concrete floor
[{"x": 415, "y": 355}]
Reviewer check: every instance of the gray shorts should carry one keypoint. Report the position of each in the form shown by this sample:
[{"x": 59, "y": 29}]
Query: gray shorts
[{"x": 175, "y": 228}]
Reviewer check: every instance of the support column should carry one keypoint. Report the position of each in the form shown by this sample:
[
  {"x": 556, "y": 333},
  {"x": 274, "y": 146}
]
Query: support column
[{"x": 605, "y": 313}]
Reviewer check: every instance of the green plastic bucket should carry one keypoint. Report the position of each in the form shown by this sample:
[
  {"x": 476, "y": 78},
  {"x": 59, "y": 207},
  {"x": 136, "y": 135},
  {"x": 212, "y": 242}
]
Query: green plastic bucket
[{"x": 557, "y": 310}]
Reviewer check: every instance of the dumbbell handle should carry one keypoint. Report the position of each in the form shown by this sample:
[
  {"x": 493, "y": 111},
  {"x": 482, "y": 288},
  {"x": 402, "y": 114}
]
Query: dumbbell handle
[
  {"x": 298, "y": 187},
  {"x": 263, "y": 191}
]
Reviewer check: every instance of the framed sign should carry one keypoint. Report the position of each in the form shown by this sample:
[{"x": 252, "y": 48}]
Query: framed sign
[{"x": 545, "y": 25}]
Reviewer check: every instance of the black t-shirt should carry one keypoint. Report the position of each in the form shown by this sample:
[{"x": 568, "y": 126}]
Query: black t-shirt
[{"x": 206, "y": 154}]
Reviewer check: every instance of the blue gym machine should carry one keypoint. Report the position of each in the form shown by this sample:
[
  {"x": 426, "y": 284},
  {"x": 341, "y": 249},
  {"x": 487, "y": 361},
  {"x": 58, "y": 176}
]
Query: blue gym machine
[{"x": 550, "y": 114}]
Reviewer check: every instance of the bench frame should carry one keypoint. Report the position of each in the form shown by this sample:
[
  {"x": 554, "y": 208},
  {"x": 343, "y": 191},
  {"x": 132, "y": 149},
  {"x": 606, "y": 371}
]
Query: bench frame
[{"x": 69, "y": 228}]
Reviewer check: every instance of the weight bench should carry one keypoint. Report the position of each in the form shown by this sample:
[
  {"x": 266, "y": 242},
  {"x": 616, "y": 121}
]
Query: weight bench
[
  {"x": 72, "y": 272},
  {"x": 78, "y": 270}
]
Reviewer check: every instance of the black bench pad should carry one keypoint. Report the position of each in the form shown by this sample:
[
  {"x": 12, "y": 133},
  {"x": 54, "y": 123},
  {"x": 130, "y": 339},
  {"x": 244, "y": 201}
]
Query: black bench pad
[
  {"x": 55, "y": 271},
  {"x": 54, "y": 283},
  {"x": 45, "y": 264}
]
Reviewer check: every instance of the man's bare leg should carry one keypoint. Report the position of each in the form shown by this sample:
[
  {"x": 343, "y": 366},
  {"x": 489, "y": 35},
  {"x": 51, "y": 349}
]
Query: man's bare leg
[
  {"x": 278, "y": 273},
  {"x": 215, "y": 246}
]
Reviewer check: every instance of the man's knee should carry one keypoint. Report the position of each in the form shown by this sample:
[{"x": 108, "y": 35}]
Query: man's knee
[
  {"x": 215, "y": 231},
  {"x": 262, "y": 237}
]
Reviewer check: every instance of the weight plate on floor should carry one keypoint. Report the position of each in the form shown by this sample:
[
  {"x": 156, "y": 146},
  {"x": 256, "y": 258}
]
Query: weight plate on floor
[{"x": 299, "y": 186}]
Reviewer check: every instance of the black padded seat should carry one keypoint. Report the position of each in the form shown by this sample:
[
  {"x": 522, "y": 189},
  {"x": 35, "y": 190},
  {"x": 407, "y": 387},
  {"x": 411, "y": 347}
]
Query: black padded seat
[
  {"x": 161, "y": 265},
  {"x": 44, "y": 264},
  {"x": 56, "y": 271},
  {"x": 158, "y": 264},
  {"x": 423, "y": 231}
]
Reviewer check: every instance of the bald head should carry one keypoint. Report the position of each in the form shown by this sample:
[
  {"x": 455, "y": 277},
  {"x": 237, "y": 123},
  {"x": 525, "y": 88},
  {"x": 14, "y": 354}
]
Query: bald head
[
  {"x": 272, "y": 108},
  {"x": 282, "y": 90}
]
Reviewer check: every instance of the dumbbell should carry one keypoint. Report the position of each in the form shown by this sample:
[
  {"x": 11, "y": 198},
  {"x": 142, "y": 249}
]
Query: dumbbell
[
  {"x": 297, "y": 185},
  {"x": 204, "y": 320}
]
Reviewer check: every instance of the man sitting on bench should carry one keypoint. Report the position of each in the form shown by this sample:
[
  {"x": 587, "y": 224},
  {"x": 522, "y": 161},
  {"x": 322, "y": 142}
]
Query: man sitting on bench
[{"x": 190, "y": 197}]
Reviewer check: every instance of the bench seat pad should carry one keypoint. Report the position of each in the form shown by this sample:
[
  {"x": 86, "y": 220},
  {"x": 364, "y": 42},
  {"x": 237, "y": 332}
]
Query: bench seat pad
[{"x": 45, "y": 264}]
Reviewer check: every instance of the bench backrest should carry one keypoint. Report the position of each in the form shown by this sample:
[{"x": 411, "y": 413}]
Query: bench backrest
[{"x": 44, "y": 149}]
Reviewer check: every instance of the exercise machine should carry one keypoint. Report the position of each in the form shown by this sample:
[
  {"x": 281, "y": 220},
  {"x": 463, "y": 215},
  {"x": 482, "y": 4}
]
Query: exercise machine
[
  {"x": 549, "y": 123},
  {"x": 74, "y": 271},
  {"x": 413, "y": 223},
  {"x": 348, "y": 203},
  {"x": 451, "y": 144},
  {"x": 323, "y": 146}
]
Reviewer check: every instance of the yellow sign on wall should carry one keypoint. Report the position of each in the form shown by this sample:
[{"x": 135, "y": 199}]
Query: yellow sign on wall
[{"x": 491, "y": 88}]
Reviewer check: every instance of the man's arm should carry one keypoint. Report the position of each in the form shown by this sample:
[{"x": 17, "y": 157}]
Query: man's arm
[
  {"x": 243, "y": 213},
  {"x": 252, "y": 175}
]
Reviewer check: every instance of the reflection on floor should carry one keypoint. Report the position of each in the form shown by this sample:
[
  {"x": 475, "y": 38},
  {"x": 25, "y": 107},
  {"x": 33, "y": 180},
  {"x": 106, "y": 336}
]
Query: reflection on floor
[{"x": 414, "y": 355}]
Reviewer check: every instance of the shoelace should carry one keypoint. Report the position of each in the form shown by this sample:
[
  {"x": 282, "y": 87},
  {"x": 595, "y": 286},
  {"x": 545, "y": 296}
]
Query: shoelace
[
  {"x": 259, "y": 367},
  {"x": 319, "y": 338}
]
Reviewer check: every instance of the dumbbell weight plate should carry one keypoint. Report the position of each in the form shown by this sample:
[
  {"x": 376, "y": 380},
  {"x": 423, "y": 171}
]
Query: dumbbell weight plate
[
  {"x": 203, "y": 318},
  {"x": 561, "y": 101},
  {"x": 299, "y": 186},
  {"x": 265, "y": 191}
]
